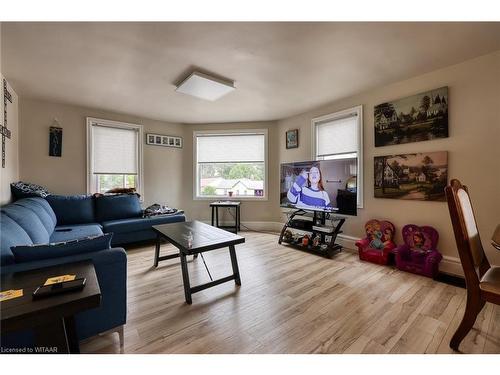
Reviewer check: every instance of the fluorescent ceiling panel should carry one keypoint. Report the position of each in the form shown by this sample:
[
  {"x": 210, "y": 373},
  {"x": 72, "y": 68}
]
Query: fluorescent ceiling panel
[{"x": 205, "y": 87}]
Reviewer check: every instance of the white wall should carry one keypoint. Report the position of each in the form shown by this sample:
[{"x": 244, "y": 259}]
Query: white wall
[
  {"x": 473, "y": 149},
  {"x": 11, "y": 171},
  {"x": 68, "y": 174}
]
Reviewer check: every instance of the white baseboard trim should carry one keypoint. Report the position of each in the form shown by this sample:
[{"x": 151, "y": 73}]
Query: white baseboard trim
[
  {"x": 449, "y": 265},
  {"x": 266, "y": 226}
]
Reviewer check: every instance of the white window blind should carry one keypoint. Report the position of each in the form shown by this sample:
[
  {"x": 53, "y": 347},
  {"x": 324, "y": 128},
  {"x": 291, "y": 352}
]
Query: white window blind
[
  {"x": 337, "y": 136},
  {"x": 231, "y": 148},
  {"x": 115, "y": 150}
]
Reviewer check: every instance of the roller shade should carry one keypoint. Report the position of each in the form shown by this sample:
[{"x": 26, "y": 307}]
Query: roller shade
[
  {"x": 115, "y": 150},
  {"x": 338, "y": 136},
  {"x": 231, "y": 148}
]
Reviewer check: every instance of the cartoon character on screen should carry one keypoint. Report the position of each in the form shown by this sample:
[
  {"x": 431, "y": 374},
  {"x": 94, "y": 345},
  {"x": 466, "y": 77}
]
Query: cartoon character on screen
[{"x": 307, "y": 191}]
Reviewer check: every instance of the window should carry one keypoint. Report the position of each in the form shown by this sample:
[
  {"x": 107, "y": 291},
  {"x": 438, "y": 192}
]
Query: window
[
  {"x": 340, "y": 135},
  {"x": 114, "y": 156},
  {"x": 230, "y": 164}
]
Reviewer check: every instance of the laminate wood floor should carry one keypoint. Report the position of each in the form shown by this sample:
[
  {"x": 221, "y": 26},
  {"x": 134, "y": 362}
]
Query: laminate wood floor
[{"x": 291, "y": 302}]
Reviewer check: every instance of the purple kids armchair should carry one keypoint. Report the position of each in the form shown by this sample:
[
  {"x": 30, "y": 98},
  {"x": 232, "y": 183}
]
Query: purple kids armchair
[{"x": 419, "y": 254}]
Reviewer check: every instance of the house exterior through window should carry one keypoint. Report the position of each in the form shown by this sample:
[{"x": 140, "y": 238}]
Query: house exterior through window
[{"x": 230, "y": 164}]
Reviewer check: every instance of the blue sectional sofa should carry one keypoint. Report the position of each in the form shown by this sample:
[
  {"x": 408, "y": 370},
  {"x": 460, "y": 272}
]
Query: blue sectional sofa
[
  {"x": 117, "y": 214},
  {"x": 58, "y": 219}
]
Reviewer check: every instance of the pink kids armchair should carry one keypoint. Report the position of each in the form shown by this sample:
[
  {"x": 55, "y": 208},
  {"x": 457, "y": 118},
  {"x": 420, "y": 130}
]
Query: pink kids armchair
[
  {"x": 419, "y": 254},
  {"x": 378, "y": 244}
]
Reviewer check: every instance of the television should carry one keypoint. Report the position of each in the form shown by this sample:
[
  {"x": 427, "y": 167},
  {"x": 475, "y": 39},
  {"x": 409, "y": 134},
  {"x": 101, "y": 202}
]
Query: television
[{"x": 320, "y": 185}]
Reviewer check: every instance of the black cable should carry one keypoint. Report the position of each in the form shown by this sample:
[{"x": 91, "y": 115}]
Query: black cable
[{"x": 250, "y": 229}]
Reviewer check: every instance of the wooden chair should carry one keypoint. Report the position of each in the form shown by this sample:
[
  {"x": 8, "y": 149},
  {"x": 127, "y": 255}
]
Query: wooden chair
[{"x": 483, "y": 280}]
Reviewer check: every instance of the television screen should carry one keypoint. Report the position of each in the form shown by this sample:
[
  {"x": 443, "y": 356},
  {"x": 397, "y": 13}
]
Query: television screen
[{"x": 321, "y": 185}]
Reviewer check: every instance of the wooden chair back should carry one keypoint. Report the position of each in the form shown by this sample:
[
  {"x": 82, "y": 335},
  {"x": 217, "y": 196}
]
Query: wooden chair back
[{"x": 470, "y": 249}]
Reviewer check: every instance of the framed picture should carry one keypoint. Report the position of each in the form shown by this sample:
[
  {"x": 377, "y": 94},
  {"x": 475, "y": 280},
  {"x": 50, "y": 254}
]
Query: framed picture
[
  {"x": 292, "y": 138},
  {"x": 420, "y": 117},
  {"x": 163, "y": 140},
  {"x": 421, "y": 176},
  {"x": 55, "y": 141}
]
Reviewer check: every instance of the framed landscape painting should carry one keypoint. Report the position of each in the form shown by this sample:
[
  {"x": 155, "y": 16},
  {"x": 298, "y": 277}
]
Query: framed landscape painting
[
  {"x": 420, "y": 117},
  {"x": 421, "y": 176}
]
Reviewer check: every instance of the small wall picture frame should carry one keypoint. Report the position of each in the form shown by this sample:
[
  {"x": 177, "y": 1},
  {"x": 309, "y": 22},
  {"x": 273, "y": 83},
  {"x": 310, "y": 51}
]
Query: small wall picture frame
[
  {"x": 163, "y": 140},
  {"x": 55, "y": 141},
  {"x": 292, "y": 138}
]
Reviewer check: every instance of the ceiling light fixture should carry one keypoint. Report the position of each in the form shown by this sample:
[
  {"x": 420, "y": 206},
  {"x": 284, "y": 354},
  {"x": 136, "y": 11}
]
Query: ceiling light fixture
[{"x": 206, "y": 87}]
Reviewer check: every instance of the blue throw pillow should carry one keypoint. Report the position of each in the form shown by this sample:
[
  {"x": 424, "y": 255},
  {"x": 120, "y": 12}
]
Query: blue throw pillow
[
  {"x": 31, "y": 253},
  {"x": 115, "y": 207},
  {"x": 72, "y": 209}
]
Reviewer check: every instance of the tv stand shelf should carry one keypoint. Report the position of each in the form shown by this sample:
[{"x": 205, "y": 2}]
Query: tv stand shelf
[{"x": 324, "y": 235}]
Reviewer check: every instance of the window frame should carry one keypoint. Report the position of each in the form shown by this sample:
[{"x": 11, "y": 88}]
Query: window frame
[
  {"x": 197, "y": 133},
  {"x": 358, "y": 110},
  {"x": 119, "y": 125}
]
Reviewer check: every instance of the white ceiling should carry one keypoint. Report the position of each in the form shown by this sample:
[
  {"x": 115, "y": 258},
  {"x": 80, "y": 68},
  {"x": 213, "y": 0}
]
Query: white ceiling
[{"x": 279, "y": 69}]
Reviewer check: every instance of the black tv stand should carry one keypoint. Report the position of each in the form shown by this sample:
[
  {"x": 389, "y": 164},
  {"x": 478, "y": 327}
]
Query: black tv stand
[{"x": 315, "y": 228}]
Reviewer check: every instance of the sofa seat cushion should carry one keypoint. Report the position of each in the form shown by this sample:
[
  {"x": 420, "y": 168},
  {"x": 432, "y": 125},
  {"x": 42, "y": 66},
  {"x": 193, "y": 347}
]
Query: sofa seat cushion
[
  {"x": 26, "y": 253},
  {"x": 73, "y": 232},
  {"x": 29, "y": 221},
  {"x": 12, "y": 234},
  {"x": 138, "y": 224},
  {"x": 115, "y": 207},
  {"x": 72, "y": 209}
]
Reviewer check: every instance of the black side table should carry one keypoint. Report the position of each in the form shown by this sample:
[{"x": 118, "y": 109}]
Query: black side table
[
  {"x": 51, "y": 318},
  {"x": 226, "y": 204}
]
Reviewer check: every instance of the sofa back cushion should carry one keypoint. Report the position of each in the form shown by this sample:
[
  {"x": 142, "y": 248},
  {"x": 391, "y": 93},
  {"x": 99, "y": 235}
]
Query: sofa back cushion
[
  {"x": 29, "y": 221},
  {"x": 12, "y": 234},
  {"x": 41, "y": 209},
  {"x": 31, "y": 253},
  {"x": 72, "y": 209},
  {"x": 115, "y": 207}
]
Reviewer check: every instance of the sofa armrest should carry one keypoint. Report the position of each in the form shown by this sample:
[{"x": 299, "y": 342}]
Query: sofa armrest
[
  {"x": 111, "y": 270},
  {"x": 433, "y": 257},
  {"x": 389, "y": 247},
  {"x": 108, "y": 256},
  {"x": 362, "y": 244},
  {"x": 402, "y": 251}
]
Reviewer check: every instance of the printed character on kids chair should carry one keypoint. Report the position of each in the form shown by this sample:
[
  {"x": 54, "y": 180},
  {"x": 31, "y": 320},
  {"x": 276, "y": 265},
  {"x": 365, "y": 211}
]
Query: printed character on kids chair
[
  {"x": 377, "y": 247},
  {"x": 418, "y": 254}
]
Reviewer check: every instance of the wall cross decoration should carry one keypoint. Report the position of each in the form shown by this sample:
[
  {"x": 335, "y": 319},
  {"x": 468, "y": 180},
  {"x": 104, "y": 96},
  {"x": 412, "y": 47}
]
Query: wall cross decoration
[{"x": 3, "y": 128}]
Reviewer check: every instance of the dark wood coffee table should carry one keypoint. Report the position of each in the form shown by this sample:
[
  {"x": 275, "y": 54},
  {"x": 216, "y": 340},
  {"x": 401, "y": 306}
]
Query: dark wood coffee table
[
  {"x": 51, "y": 318},
  {"x": 204, "y": 238}
]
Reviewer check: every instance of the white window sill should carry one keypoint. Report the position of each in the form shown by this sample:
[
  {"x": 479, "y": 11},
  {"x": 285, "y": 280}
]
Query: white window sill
[{"x": 223, "y": 198}]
